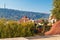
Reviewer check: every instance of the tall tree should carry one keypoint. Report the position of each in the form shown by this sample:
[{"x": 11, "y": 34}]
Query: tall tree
[{"x": 56, "y": 9}]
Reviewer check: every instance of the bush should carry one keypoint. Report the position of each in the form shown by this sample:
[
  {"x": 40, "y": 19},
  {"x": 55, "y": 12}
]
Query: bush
[
  {"x": 10, "y": 28},
  {"x": 13, "y": 29}
]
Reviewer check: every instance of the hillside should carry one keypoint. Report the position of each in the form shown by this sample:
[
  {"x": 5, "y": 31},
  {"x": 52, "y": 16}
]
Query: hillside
[{"x": 17, "y": 14}]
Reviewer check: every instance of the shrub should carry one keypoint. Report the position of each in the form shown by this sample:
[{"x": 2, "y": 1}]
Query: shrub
[{"x": 13, "y": 29}]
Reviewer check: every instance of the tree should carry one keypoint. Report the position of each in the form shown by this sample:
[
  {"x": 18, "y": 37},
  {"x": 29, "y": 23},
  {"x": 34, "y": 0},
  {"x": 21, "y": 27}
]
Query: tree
[{"x": 56, "y": 9}]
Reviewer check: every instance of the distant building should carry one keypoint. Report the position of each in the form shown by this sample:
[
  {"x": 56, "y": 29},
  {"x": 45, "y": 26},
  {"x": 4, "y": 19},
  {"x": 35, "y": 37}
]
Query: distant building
[
  {"x": 25, "y": 19},
  {"x": 38, "y": 21},
  {"x": 52, "y": 19}
]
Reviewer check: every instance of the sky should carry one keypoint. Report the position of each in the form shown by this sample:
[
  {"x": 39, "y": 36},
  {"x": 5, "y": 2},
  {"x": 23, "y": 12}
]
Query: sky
[{"x": 43, "y": 6}]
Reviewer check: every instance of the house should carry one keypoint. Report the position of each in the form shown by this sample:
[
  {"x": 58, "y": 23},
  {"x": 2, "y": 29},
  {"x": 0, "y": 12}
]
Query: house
[
  {"x": 25, "y": 19},
  {"x": 39, "y": 22},
  {"x": 52, "y": 19}
]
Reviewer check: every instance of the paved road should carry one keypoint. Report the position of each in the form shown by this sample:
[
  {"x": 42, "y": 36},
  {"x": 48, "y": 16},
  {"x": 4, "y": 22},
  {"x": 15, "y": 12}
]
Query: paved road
[
  {"x": 54, "y": 37},
  {"x": 21, "y": 38}
]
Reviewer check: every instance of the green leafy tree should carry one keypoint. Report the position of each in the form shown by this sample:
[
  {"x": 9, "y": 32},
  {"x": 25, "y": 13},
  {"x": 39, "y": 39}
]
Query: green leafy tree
[{"x": 56, "y": 9}]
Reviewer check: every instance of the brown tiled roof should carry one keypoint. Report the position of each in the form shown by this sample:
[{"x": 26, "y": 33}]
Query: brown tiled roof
[{"x": 24, "y": 19}]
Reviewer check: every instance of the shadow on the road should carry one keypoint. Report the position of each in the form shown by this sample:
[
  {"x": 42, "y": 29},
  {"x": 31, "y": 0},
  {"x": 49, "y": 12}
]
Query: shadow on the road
[{"x": 38, "y": 37}]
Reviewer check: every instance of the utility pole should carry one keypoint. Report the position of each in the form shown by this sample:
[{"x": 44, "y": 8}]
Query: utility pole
[{"x": 4, "y": 5}]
